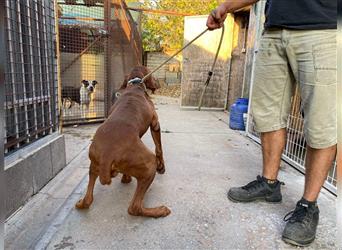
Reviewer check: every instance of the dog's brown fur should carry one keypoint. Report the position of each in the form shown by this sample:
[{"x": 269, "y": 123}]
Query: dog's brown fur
[{"x": 117, "y": 146}]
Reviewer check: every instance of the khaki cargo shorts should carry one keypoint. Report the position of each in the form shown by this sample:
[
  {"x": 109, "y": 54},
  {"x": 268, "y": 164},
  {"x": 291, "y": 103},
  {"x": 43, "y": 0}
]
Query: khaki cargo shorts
[{"x": 307, "y": 58}]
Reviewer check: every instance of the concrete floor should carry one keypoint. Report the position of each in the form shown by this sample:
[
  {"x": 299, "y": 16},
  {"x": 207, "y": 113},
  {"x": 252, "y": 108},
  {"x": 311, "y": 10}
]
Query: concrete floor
[{"x": 204, "y": 158}]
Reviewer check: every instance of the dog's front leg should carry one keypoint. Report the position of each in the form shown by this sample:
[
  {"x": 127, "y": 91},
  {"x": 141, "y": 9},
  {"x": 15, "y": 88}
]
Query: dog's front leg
[
  {"x": 156, "y": 135},
  {"x": 88, "y": 198}
]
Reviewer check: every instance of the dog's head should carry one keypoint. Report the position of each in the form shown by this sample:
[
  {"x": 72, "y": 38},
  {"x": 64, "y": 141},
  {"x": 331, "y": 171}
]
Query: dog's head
[
  {"x": 140, "y": 72},
  {"x": 89, "y": 85}
]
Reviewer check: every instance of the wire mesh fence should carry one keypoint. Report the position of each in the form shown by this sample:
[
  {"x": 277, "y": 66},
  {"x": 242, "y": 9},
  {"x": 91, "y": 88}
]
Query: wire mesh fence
[
  {"x": 99, "y": 43},
  {"x": 81, "y": 43},
  {"x": 30, "y": 76}
]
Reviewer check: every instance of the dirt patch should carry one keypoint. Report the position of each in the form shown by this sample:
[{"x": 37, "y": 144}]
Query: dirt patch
[{"x": 170, "y": 91}]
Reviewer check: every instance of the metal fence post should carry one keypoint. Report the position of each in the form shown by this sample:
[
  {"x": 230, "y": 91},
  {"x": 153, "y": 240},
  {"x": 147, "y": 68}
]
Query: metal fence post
[
  {"x": 108, "y": 56},
  {"x": 59, "y": 81},
  {"x": 2, "y": 119}
]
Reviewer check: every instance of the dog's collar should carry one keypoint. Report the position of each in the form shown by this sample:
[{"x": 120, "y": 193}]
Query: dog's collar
[{"x": 137, "y": 81}]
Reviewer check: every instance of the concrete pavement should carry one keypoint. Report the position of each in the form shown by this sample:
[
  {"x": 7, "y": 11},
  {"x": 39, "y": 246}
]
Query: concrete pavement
[{"x": 204, "y": 158}]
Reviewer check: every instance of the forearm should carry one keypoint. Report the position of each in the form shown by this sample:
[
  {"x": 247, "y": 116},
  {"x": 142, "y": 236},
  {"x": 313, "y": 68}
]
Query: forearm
[{"x": 233, "y": 5}]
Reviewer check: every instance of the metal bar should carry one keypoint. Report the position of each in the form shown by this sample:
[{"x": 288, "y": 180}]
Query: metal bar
[
  {"x": 46, "y": 63},
  {"x": 107, "y": 55},
  {"x": 160, "y": 12},
  {"x": 80, "y": 4},
  {"x": 12, "y": 48},
  {"x": 23, "y": 138},
  {"x": 82, "y": 18},
  {"x": 21, "y": 42},
  {"x": 127, "y": 17},
  {"x": 59, "y": 80},
  {"x": 3, "y": 57},
  {"x": 39, "y": 56},
  {"x": 53, "y": 60},
  {"x": 32, "y": 64},
  {"x": 37, "y": 99}
]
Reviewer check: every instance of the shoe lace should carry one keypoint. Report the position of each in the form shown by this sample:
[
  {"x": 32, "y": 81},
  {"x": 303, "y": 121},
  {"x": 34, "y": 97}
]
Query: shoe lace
[
  {"x": 298, "y": 214},
  {"x": 254, "y": 184}
]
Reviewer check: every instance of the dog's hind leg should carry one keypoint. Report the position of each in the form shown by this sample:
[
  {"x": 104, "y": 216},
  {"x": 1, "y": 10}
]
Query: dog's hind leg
[
  {"x": 136, "y": 207},
  {"x": 126, "y": 179},
  {"x": 88, "y": 198},
  {"x": 145, "y": 176},
  {"x": 155, "y": 131}
]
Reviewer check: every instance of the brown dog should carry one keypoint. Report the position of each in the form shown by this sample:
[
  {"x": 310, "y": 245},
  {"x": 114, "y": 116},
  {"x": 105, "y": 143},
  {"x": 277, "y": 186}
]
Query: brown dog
[{"x": 117, "y": 146}]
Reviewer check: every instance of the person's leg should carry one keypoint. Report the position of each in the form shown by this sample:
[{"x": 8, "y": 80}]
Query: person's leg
[
  {"x": 266, "y": 187},
  {"x": 270, "y": 105},
  {"x": 317, "y": 165},
  {"x": 312, "y": 54},
  {"x": 273, "y": 144}
]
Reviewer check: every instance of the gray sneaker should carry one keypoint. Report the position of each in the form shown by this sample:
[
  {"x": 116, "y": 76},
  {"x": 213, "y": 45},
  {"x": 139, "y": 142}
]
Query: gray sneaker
[
  {"x": 300, "y": 229},
  {"x": 256, "y": 190}
]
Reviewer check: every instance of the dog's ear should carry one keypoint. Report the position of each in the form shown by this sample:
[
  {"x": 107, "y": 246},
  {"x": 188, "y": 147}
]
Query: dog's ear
[
  {"x": 124, "y": 84},
  {"x": 95, "y": 82},
  {"x": 85, "y": 83},
  {"x": 152, "y": 84}
]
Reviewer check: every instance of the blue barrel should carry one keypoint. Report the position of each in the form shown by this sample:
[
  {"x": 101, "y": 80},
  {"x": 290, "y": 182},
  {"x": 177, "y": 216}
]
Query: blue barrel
[{"x": 237, "y": 111}]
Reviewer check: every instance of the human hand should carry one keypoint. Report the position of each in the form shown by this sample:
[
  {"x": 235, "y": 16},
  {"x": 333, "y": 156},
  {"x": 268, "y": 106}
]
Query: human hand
[{"x": 217, "y": 17}]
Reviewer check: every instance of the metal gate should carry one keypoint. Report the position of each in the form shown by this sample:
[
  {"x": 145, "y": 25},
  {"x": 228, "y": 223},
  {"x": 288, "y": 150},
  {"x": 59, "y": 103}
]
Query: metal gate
[
  {"x": 30, "y": 75},
  {"x": 98, "y": 44}
]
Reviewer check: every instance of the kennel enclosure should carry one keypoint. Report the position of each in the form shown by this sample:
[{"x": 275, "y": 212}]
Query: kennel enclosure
[{"x": 98, "y": 41}]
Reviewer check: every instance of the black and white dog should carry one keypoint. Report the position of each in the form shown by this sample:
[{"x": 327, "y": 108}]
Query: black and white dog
[{"x": 81, "y": 96}]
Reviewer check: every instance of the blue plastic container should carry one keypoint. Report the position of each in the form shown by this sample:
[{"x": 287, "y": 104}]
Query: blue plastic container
[{"x": 237, "y": 111}]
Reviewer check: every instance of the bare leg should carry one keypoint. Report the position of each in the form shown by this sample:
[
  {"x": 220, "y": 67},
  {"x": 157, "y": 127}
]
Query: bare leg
[
  {"x": 126, "y": 179},
  {"x": 317, "y": 165},
  {"x": 155, "y": 131},
  {"x": 273, "y": 144},
  {"x": 136, "y": 207},
  {"x": 88, "y": 198}
]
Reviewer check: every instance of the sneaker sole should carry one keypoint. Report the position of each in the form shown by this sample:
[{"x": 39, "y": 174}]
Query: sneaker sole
[
  {"x": 252, "y": 200},
  {"x": 295, "y": 243}
]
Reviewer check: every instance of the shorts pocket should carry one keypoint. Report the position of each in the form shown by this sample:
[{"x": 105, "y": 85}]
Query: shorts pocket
[{"x": 325, "y": 63}]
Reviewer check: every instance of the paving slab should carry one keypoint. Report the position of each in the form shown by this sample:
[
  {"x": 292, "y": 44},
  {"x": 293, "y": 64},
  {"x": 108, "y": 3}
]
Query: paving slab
[{"x": 204, "y": 158}]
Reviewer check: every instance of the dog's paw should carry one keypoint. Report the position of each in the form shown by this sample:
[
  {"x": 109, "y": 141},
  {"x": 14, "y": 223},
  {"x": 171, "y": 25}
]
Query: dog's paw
[
  {"x": 81, "y": 204},
  {"x": 160, "y": 166},
  {"x": 126, "y": 179},
  {"x": 161, "y": 170},
  {"x": 163, "y": 211}
]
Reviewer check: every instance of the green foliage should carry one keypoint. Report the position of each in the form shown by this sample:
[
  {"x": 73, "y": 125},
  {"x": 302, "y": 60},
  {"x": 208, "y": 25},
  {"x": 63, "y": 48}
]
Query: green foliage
[{"x": 166, "y": 32}]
